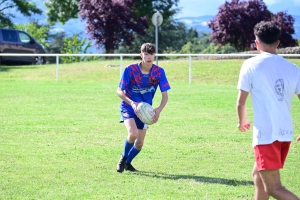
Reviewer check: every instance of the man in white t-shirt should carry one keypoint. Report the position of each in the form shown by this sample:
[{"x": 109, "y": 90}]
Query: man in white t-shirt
[{"x": 272, "y": 81}]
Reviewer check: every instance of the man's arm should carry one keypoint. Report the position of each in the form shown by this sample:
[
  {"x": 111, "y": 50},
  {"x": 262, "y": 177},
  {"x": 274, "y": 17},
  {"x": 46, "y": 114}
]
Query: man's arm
[{"x": 241, "y": 109}]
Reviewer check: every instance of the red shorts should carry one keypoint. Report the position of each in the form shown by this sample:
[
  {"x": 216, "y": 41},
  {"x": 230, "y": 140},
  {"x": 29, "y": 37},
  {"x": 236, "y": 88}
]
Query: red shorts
[{"x": 271, "y": 156}]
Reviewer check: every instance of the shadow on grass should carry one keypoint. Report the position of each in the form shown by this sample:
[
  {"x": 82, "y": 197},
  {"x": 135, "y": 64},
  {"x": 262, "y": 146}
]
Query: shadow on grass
[
  {"x": 6, "y": 68},
  {"x": 202, "y": 179}
]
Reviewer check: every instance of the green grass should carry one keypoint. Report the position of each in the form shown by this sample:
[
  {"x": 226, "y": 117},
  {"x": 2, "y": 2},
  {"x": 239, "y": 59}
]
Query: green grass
[{"x": 63, "y": 140}]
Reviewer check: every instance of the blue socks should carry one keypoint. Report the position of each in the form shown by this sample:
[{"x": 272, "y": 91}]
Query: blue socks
[
  {"x": 132, "y": 153},
  {"x": 127, "y": 147},
  {"x": 129, "y": 151}
]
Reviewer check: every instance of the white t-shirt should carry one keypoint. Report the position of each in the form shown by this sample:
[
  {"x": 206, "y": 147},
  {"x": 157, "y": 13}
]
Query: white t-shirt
[{"x": 272, "y": 81}]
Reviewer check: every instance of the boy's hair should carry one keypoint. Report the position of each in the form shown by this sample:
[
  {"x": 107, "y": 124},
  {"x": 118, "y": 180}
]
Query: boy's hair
[
  {"x": 267, "y": 32},
  {"x": 148, "y": 48}
]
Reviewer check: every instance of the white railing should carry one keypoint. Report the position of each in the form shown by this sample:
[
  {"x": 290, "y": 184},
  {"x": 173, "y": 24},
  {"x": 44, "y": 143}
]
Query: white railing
[{"x": 134, "y": 55}]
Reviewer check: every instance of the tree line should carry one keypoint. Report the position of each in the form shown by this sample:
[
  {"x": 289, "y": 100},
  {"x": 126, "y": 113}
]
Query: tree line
[{"x": 121, "y": 26}]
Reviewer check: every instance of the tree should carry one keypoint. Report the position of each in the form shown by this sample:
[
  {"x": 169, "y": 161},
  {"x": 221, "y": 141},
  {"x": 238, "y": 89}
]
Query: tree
[
  {"x": 214, "y": 49},
  {"x": 75, "y": 45},
  {"x": 147, "y": 8},
  {"x": 172, "y": 35},
  {"x": 286, "y": 22},
  {"x": 110, "y": 22},
  {"x": 196, "y": 44},
  {"x": 56, "y": 44},
  {"x": 8, "y": 8},
  {"x": 235, "y": 21},
  {"x": 61, "y": 10},
  {"x": 141, "y": 12},
  {"x": 37, "y": 31}
]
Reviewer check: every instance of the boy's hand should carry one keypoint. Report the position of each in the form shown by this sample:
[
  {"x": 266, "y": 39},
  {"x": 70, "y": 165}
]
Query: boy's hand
[
  {"x": 244, "y": 125},
  {"x": 156, "y": 115},
  {"x": 134, "y": 106}
]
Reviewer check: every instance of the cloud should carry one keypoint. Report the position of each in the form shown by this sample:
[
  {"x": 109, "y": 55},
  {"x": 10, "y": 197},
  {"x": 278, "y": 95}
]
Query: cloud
[
  {"x": 187, "y": 21},
  {"x": 204, "y": 23},
  {"x": 57, "y": 30}
]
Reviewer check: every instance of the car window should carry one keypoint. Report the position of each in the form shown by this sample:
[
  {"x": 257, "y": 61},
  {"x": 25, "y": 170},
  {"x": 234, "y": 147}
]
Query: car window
[
  {"x": 24, "y": 37},
  {"x": 9, "y": 35}
]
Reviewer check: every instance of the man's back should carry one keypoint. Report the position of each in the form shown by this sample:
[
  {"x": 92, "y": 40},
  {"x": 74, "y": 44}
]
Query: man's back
[{"x": 272, "y": 82}]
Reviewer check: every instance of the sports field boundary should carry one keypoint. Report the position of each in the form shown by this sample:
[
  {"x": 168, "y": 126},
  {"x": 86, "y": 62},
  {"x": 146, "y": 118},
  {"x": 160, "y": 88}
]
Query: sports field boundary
[{"x": 121, "y": 56}]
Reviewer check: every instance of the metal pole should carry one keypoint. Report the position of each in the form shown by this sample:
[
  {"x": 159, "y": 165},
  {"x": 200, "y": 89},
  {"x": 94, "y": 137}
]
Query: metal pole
[
  {"x": 121, "y": 62},
  {"x": 156, "y": 39},
  {"x": 57, "y": 71},
  {"x": 190, "y": 69}
]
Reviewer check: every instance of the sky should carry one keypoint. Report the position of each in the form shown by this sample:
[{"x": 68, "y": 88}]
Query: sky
[{"x": 196, "y": 8}]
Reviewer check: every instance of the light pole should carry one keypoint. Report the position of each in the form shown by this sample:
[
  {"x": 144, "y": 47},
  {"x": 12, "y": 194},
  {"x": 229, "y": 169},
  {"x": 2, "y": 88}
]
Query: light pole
[{"x": 157, "y": 20}]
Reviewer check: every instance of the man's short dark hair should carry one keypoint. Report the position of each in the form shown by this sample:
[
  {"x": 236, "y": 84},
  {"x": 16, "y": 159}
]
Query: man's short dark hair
[
  {"x": 267, "y": 32},
  {"x": 148, "y": 48}
]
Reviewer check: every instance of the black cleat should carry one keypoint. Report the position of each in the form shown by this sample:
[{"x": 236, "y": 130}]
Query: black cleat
[
  {"x": 121, "y": 164},
  {"x": 129, "y": 167}
]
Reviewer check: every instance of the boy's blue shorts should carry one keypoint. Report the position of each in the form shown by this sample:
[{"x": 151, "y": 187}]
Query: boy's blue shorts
[{"x": 125, "y": 114}]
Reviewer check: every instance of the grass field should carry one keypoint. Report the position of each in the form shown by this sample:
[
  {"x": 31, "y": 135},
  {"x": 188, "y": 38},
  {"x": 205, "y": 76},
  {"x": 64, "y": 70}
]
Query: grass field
[{"x": 63, "y": 140}]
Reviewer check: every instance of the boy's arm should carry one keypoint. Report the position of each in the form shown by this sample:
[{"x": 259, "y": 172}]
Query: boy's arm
[
  {"x": 163, "y": 103},
  {"x": 123, "y": 96},
  {"x": 241, "y": 109},
  {"x": 298, "y": 139}
]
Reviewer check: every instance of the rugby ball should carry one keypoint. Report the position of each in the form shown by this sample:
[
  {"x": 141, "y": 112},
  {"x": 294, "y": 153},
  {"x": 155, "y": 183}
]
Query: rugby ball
[{"x": 145, "y": 112}]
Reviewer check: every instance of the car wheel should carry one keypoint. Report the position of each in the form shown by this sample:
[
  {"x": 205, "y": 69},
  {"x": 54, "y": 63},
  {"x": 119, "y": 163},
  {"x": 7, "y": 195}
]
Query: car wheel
[{"x": 39, "y": 60}]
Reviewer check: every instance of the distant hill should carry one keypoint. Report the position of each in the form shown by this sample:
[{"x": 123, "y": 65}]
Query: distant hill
[{"x": 200, "y": 23}]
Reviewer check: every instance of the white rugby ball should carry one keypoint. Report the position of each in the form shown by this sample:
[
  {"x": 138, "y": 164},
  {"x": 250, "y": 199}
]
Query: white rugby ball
[{"x": 145, "y": 112}]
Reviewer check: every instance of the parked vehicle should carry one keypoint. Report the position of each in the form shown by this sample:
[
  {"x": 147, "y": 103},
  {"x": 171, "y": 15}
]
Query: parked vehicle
[{"x": 15, "y": 41}]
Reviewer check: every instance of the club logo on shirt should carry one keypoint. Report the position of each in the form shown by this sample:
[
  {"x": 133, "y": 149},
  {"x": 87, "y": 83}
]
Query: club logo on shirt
[
  {"x": 279, "y": 88},
  {"x": 143, "y": 90},
  {"x": 153, "y": 80}
]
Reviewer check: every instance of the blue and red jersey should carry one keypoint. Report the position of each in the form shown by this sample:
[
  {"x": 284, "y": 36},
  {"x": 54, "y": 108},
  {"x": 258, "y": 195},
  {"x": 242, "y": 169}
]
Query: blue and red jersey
[{"x": 141, "y": 87}]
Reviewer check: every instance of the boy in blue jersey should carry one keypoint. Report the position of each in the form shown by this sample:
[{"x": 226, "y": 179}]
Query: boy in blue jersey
[{"x": 138, "y": 84}]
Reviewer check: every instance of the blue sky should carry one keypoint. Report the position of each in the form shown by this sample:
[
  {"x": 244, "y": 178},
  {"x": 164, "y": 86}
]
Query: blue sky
[{"x": 196, "y": 8}]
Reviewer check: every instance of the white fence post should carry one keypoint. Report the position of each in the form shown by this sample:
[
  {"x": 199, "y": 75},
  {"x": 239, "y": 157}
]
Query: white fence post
[
  {"x": 190, "y": 69},
  {"x": 57, "y": 70},
  {"x": 121, "y": 63}
]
